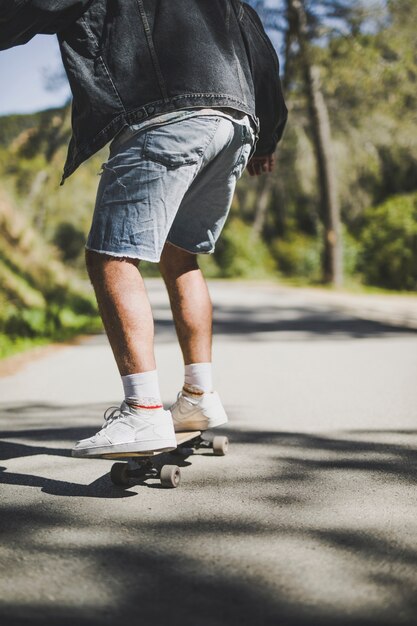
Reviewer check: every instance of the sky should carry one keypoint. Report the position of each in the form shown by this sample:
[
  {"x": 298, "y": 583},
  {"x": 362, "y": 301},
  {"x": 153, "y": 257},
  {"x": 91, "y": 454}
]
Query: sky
[{"x": 23, "y": 76}]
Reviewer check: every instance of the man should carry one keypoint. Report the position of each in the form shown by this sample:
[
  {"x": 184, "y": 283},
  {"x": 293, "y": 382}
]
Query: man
[{"x": 189, "y": 92}]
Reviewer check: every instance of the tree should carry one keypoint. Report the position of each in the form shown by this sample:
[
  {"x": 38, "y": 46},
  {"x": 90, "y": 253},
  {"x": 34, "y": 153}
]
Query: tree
[
  {"x": 300, "y": 31},
  {"x": 302, "y": 25}
]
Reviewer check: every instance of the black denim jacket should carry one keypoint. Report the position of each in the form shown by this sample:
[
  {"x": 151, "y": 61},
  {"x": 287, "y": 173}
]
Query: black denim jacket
[{"x": 127, "y": 60}]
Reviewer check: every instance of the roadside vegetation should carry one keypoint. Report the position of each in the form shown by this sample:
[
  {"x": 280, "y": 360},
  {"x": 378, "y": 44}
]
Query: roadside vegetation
[
  {"x": 340, "y": 208},
  {"x": 41, "y": 300}
]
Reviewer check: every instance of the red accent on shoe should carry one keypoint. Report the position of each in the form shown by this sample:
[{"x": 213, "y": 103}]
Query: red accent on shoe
[{"x": 149, "y": 406}]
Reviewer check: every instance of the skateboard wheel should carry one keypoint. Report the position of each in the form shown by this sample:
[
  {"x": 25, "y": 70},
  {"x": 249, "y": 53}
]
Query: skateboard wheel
[
  {"x": 220, "y": 446},
  {"x": 170, "y": 476},
  {"x": 119, "y": 474}
]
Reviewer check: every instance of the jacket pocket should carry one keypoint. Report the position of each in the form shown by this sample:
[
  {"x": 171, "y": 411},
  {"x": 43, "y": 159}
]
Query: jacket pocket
[{"x": 182, "y": 142}]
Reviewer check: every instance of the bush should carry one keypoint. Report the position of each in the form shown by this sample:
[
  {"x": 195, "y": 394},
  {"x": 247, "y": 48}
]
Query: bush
[
  {"x": 23, "y": 328},
  {"x": 388, "y": 256},
  {"x": 299, "y": 255},
  {"x": 240, "y": 254},
  {"x": 70, "y": 240},
  {"x": 351, "y": 253}
]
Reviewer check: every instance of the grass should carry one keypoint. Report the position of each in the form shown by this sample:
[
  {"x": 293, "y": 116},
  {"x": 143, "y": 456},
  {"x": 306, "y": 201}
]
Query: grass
[{"x": 72, "y": 326}]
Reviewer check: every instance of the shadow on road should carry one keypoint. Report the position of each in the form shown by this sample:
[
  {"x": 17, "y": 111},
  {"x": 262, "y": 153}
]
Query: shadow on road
[
  {"x": 40, "y": 425},
  {"x": 289, "y": 323},
  {"x": 293, "y": 513}
]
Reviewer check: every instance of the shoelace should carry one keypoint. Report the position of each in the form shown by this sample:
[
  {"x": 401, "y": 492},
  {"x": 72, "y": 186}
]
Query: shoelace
[{"x": 115, "y": 413}]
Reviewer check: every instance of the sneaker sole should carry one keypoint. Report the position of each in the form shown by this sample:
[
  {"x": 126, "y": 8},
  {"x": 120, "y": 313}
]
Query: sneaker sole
[
  {"x": 197, "y": 425},
  {"x": 123, "y": 448}
]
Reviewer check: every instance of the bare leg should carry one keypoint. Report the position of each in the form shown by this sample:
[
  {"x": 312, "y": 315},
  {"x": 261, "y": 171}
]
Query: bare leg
[
  {"x": 190, "y": 303},
  {"x": 125, "y": 311}
]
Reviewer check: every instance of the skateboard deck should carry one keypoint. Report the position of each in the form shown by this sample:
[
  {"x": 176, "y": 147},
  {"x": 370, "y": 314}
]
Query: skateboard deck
[{"x": 142, "y": 464}]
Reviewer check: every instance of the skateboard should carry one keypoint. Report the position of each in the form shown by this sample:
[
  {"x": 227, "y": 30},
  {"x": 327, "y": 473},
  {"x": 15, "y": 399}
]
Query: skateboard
[{"x": 143, "y": 465}]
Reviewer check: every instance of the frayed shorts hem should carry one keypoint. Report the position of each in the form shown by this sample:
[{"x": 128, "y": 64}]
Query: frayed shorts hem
[
  {"x": 195, "y": 252},
  {"x": 122, "y": 255}
]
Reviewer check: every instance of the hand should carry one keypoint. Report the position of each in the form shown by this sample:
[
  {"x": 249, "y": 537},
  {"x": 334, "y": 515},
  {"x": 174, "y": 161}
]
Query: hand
[{"x": 261, "y": 164}]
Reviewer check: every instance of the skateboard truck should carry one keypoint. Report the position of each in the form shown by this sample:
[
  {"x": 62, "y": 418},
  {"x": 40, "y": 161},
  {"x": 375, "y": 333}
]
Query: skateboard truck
[{"x": 142, "y": 465}]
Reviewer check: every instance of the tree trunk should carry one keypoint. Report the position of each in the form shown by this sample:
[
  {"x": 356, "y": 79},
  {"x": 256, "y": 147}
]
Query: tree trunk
[
  {"x": 320, "y": 127},
  {"x": 261, "y": 208}
]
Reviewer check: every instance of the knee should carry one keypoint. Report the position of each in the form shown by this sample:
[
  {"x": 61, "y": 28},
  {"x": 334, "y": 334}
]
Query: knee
[
  {"x": 100, "y": 265},
  {"x": 95, "y": 263},
  {"x": 175, "y": 261}
]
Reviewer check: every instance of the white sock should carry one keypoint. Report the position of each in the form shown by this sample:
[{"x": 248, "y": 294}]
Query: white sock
[
  {"x": 198, "y": 377},
  {"x": 142, "y": 388}
]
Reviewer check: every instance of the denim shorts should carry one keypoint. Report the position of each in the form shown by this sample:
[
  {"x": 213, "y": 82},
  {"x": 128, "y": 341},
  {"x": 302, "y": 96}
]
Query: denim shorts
[{"x": 172, "y": 183}]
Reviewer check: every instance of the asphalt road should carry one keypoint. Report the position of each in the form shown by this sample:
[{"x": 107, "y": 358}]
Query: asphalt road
[{"x": 310, "y": 519}]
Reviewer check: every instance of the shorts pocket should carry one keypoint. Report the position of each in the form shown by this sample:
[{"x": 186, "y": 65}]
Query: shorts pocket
[
  {"x": 242, "y": 161},
  {"x": 247, "y": 138},
  {"x": 180, "y": 143}
]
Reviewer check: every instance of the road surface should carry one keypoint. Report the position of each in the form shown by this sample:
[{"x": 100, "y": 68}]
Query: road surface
[{"x": 309, "y": 520}]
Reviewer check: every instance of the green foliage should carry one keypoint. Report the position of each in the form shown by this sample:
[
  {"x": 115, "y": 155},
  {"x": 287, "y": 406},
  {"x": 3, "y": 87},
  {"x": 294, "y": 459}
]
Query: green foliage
[
  {"x": 370, "y": 85},
  {"x": 298, "y": 256},
  {"x": 240, "y": 254},
  {"x": 30, "y": 327},
  {"x": 17, "y": 289},
  {"x": 13, "y": 345},
  {"x": 388, "y": 241},
  {"x": 351, "y": 253},
  {"x": 149, "y": 270},
  {"x": 70, "y": 240},
  {"x": 12, "y": 125},
  {"x": 40, "y": 299}
]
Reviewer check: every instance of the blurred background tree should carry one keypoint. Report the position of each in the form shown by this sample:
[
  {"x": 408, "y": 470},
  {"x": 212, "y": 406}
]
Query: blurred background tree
[{"x": 349, "y": 73}]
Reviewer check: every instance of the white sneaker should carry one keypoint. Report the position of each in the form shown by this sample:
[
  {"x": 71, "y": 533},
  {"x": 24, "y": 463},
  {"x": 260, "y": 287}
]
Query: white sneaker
[
  {"x": 126, "y": 429},
  {"x": 198, "y": 412}
]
